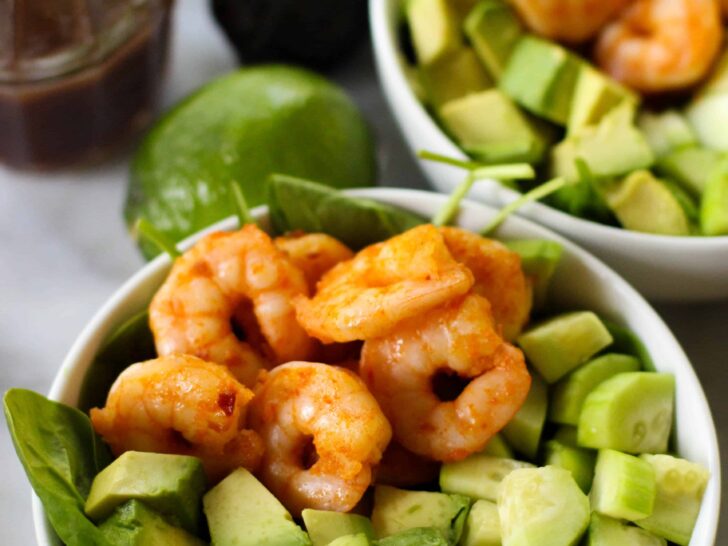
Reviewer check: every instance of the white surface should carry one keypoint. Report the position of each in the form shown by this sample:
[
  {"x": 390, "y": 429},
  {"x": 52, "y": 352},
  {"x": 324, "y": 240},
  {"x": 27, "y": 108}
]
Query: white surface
[
  {"x": 64, "y": 250},
  {"x": 663, "y": 268}
]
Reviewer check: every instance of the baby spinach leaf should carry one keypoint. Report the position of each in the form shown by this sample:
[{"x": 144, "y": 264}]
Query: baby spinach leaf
[
  {"x": 61, "y": 454},
  {"x": 131, "y": 342},
  {"x": 297, "y": 204}
]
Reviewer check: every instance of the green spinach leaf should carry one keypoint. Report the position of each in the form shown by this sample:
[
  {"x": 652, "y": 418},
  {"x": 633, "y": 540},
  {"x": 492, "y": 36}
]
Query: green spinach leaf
[
  {"x": 61, "y": 455},
  {"x": 297, "y": 204}
]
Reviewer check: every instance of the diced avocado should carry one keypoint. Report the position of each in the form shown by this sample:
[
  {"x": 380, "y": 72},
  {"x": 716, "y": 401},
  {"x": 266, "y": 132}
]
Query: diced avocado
[
  {"x": 463, "y": 7},
  {"x": 434, "y": 28},
  {"x": 717, "y": 82},
  {"x": 494, "y": 30},
  {"x": 523, "y": 431},
  {"x": 324, "y": 526},
  {"x": 542, "y": 507},
  {"x": 686, "y": 201},
  {"x": 478, "y": 476},
  {"x": 689, "y": 167},
  {"x": 579, "y": 461},
  {"x": 455, "y": 75},
  {"x": 482, "y": 528},
  {"x": 714, "y": 204},
  {"x": 680, "y": 488},
  {"x": 709, "y": 117},
  {"x": 541, "y": 77},
  {"x": 490, "y": 126},
  {"x": 170, "y": 484},
  {"x": 644, "y": 203},
  {"x": 666, "y": 131},
  {"x": 539, "y": 260},
  {"x": 359, "y": 539},
  {"x": 570, "y": 392},
  {"x": 611, "y": 148},
  {"x": 559, "y": 345},
  {"x": 624, "y": 486},
  {"x": 397, "y": 510},
  {"x": 419, "y": 536},
  {"x": 595, "y": 95},
  {"x": 134, "y": 524},
  {"x": 497, "y": 447},
  {"x": 240, "y": 499},
  {"x": 606, "y": 531},
  {"x": 631, "y": 412}
]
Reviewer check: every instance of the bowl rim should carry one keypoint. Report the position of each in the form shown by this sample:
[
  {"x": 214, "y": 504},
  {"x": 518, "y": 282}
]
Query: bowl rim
[
  {"x": 383, "y": 17},
  {"x": 103, "y": 321}
]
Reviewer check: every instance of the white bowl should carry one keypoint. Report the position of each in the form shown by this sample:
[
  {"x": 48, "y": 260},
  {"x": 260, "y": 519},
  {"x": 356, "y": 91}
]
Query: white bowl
[
  {"x": 581, "y": 281},
  {"x": 661, "y": 267}
]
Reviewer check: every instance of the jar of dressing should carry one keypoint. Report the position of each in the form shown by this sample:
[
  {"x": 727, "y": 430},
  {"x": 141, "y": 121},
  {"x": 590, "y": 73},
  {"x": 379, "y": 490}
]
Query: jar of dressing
[{"x": 77, "y": 77}]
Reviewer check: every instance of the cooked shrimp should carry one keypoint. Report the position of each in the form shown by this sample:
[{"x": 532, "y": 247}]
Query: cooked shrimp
[
  {"x": 724, "y": 8},
  {"x": 661, "y": 45},
  {"x": 498, "y": 277},
  {"x": 181, "y": 404},
  {"x": 400, "y": 467},
  {"x": 228, "y": 282},
  {"x": 313, "y": 253},
  {"x": 571, "y": 21},
  {"x": 402, "y": 369},
  {"x": 382, "y": 285},
  {"x": 323, "y": 431}
]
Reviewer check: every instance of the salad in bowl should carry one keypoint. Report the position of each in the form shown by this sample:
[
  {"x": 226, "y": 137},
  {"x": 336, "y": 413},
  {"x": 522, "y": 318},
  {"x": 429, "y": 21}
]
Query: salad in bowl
[{"x": 337, "y": 369}]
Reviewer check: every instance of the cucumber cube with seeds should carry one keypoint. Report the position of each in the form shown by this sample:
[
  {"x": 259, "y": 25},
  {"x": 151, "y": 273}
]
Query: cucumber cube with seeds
[{"x": 624, "y": 486}]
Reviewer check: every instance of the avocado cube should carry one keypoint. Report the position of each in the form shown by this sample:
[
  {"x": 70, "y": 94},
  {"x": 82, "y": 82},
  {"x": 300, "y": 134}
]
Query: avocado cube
[
  {"x": 359, "y": 539},
  {"x": 490, "y": 126},
  {"x": 714, "y": 205},
  {"x": 539, "y": 260},
  {"x": 644, "y": 203},
  {"x": 420, "y": 536},
  {"x": 434, "y": 28},
  {"x": 170, "y": 484},
  {"x": 709, "y": 117},
  {"x": 541, "y": 77},
  {"x": 494, "y": 30},
  {"x": 453, "y": 76},
  {"x": 594, "y": 96},
  {"x": 242, "y": 512},
  {"x": 397, "y": 510},
  {"x": 134, "y": 524},
  {"x": 482, "y": 528},
  {"x": 324, "y": 526},
  {"x": 689, "y": 167}
]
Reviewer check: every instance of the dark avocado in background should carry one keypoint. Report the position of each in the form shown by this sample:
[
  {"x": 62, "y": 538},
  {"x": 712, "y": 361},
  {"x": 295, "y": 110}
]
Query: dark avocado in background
[{"x": 313, "y": 33}]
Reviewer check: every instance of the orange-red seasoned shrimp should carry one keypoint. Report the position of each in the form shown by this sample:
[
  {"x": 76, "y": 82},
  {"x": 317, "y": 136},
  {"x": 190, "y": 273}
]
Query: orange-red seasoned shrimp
[
  {"x": 323, "y": 431},
  {"x": 181, "y": 404},
  {"x": 498, "y": 277},
  {"x": 661, "y": 45},
  {"x": 402, "y": 468},
  {"x": 228, "y": 281},
  {"x": 724, "y": 8},
  {"x": 382, "y": 285},
  {"x": 313, "y": 253},
  {"x": 401, "y": 371},
  {"x": 571, "y": 21}
]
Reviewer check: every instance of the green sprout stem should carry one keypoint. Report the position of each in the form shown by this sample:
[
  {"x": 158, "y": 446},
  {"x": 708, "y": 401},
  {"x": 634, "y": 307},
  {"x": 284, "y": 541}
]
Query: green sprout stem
[
  {"x": 144, "y": 229},
  {"x": 241, "y": 205},
  {"x": 439, "y": 158},
  {"x": 448, "y": 211}
]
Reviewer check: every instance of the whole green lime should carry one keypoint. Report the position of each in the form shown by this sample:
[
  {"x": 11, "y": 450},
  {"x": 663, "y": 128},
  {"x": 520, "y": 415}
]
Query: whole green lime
[{"x": 240, "y": 128}]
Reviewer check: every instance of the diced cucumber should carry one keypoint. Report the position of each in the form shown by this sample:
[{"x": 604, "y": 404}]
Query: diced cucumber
[
  {"x": 570, "y": 392},
  {"x": 434, "y": 28},
  {"x": 708, "y": 115},
  {"x": 539, "y": 260},
  {"x": 542, "y": 507},
  {"x": 419, "y": 536},
  {"x": 680, "y": 488},
  {"x": 325, "y": 526},
  {"x": 577, "y": 460},
  {"x": 523, "y": 431},
  {"x": 562, "y": 343},
  {"x": 359, "y": 539},
  {"x": 625, "y": 341},
  {"x": 606, "y": 531},
  {"x": 494, "y": 30},
  {"x": 630, "y": 412},
  {"x": 624, "y": 486},
  {"x": 714, "y": 205},
  {"x": 478, "y": 476},
  {"x": 567, "y": 435},
  {"x": 497, "y": 447},
  {"x": 666, "y": 131},
  {"x": 482, "y": 528},
  {"x": 689, "y": 167}
]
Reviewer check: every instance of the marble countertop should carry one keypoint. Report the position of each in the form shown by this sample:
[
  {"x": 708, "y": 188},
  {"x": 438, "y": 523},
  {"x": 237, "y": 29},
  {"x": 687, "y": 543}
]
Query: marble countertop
[{"x": 64, "y": 249}]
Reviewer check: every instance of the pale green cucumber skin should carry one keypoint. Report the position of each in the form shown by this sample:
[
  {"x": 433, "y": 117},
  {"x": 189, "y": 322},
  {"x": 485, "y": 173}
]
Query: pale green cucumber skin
[
  {"x": 630, "y": 412},
  {"x": 624, "y": 486},
  {"x": 478, "y": 476},
  {"x": 523, "y": 432},
  {"x": 680, "y": 488},
  {"x": 542, "y": 507},
  {"x": 482, "y": 528},
  {"x": 579, "y": 461},
  {"x": 564, "y": 342},
  {"x": 569, "y": 393},
  {"x": 606, "y": 531}
]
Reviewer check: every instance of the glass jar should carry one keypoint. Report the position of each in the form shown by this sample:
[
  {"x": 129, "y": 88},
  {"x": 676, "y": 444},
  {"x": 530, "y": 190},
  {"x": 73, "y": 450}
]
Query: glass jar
[{"x": 77, "y": 77}]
